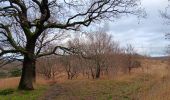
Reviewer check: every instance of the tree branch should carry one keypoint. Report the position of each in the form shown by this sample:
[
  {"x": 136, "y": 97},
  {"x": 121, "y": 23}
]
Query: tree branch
[
  {"x": 3, "y": 52},
  {"x": 54, "y": 51}
]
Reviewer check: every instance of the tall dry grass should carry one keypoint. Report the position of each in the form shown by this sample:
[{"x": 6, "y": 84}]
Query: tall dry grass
[
  {"x": 14, "y": 81},
  {"x": 9, "y": 82}
]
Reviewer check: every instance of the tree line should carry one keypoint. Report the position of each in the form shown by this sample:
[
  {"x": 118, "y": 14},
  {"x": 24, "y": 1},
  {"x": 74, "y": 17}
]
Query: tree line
[{"x": 94, "y": 55}]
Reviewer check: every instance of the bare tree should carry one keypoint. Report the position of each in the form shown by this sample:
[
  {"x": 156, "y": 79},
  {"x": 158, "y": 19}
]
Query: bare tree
[
  {"x": 166, "y": 16},
  {"x": 131, "y": 58},
  {"x": 96, "y": 49},
  {"x": 49, "y": 67},
  {"x": 72, "y": 65},
  {"x": 24, "y": 22}
]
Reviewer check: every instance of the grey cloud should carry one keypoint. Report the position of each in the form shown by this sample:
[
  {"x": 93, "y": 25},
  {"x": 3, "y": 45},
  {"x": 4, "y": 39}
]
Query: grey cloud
[{"x": 147, "y": 35}]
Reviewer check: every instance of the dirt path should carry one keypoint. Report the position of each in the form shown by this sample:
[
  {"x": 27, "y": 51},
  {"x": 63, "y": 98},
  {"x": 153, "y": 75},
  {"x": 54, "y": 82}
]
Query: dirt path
[{"x": 52, "y": 92}]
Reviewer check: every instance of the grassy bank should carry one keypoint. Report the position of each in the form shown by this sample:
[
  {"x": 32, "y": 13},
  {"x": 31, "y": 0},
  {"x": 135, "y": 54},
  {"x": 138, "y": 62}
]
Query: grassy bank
[{"x": 14, "y": 94}]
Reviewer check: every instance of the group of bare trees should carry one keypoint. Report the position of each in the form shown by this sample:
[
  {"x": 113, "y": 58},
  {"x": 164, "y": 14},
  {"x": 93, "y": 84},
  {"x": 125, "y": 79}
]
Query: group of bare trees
[
  {"x": 94, "y": 55},
  {"x": 25, "y": 24},
  {"x": 97, "y": 48},
  {"x": 103, "y": 55}
]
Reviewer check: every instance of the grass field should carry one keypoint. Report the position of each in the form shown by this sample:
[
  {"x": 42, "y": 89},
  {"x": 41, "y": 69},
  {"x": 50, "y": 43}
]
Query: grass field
[
  {"x": 129, "y": 89},
  {"x": 134, "y": 87},
  {"x": 151, "y": 84}
]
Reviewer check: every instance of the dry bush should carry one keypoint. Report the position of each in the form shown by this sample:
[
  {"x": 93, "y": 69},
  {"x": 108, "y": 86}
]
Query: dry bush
[
  {"x": 49, "y": 67},
  {"x": 71, "y": 64}
]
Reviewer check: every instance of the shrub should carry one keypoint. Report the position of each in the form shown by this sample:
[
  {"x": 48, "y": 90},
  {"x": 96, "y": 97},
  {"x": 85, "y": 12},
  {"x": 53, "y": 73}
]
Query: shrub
[
  {"x": 16, "y": 72},
  {"x": 3, "y": 74}
]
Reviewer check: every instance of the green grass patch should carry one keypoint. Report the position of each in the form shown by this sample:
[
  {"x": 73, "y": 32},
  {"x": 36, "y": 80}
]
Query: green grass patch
[
  {"x": 129, "y": 89},
  {"x": 101, "y": 90},
  {"x": 6, "y": 91},
  {"x": 14, "y": 94}
]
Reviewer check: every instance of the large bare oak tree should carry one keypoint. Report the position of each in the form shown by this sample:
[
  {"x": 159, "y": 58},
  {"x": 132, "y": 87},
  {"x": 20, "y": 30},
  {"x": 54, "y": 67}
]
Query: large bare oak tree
[{"x": 24, "y": 24}]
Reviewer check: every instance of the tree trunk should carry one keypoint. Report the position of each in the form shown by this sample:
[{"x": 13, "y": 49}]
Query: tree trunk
[
  {"x": 28, "y": 73},
  {"x": 92, "y": 73},
  {"x": 98, "y": 72},
  {"x": 28, "y": 70},
  {"x": 129, "y": 69}
]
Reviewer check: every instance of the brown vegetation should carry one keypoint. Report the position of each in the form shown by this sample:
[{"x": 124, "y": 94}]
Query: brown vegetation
[{"x": 150, "y": 81}]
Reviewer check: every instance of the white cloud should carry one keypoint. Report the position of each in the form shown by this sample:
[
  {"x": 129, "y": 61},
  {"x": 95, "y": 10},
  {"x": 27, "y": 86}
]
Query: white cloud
[{"x": 146, "y": 35}]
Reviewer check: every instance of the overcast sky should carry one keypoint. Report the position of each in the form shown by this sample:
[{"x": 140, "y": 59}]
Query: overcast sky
[{"x": 146, "y": 35}]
